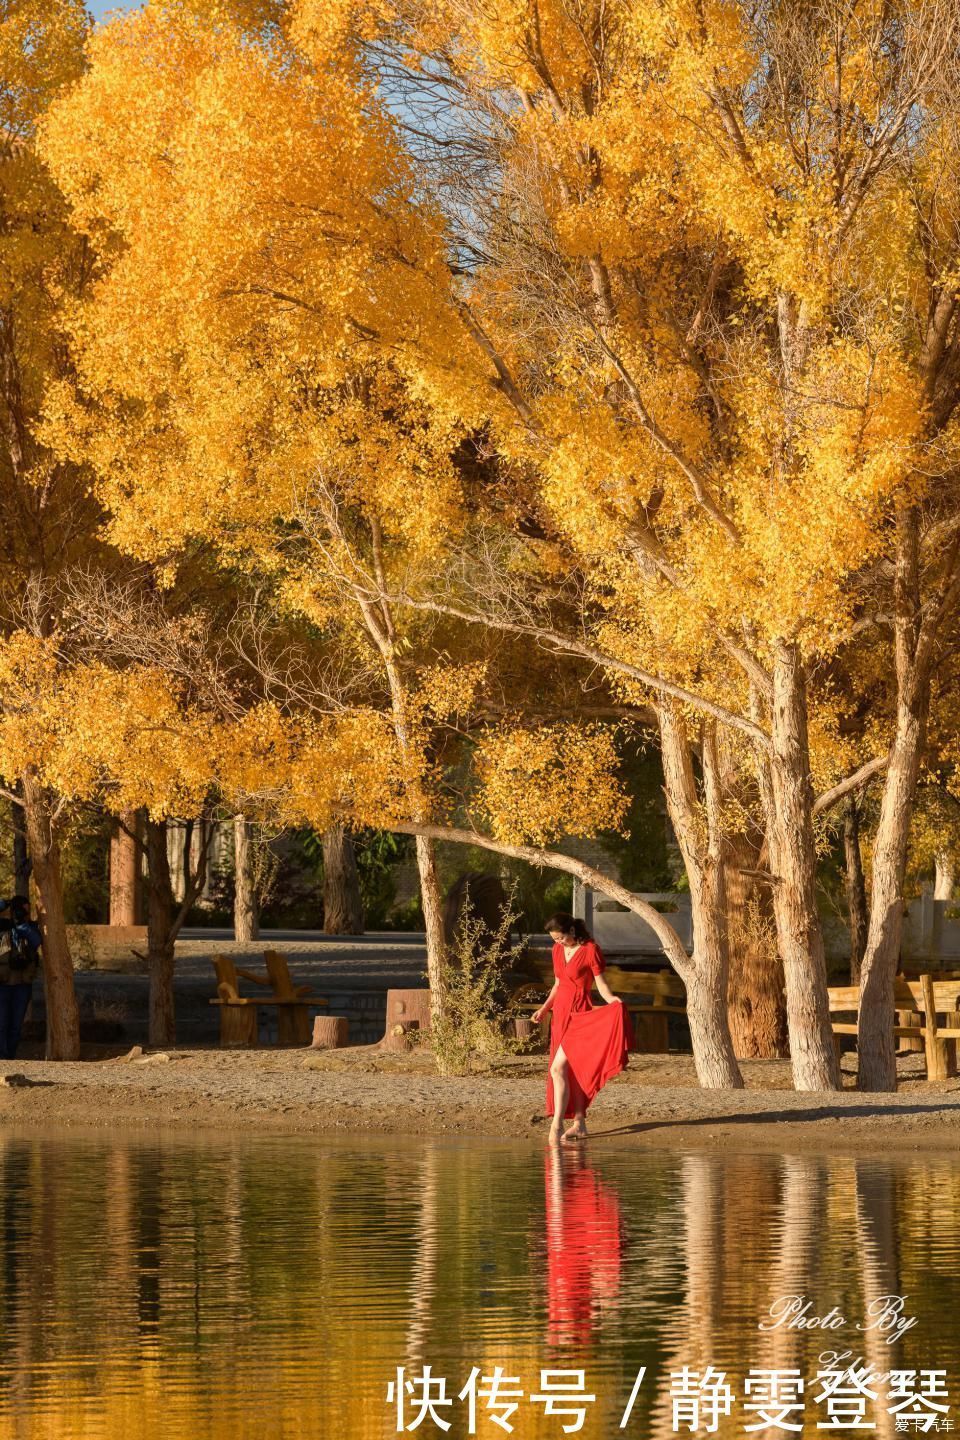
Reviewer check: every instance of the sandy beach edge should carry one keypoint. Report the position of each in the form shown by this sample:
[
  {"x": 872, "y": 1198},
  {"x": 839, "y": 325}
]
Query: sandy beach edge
[{"x": 362, "y": 1091}]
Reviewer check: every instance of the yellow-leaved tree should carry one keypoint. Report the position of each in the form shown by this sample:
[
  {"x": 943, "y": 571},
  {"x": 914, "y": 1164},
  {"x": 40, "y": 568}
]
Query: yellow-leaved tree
[
  {"x": 250, "y": 372},
  {"x": 48, "y": 516},
  {"x": 712, "y": 259},
  {"x": 689, "y": 268}
]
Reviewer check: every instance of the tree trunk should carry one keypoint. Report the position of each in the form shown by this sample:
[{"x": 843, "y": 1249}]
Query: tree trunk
[
  {"x": 877, "y": 1069},
  {"x": 63, "y": 1017},
  {"x": 706, "y": 974},
  {"x": 946, "y": 870},
  {"x": 431, "y": 898},
  {"x": 756, "y": 1003},
  {"x": 161, "y": 938},
  {"x": 713, "y": 1053},
  {"x": 21, "y": 855},
  {"x": 342, "y": 905},
  {"x": 177, "y": 848},
  {"x": 246, "y": 921},
  {"x": 379, "y": 623},
  {"x": 793, "y": 862},
  {"x": 913, "y": 653},
  {"x": 125, "y": 871},
  {"x": 856, "y": 888},
  {"x": 161, "y": 1019}
]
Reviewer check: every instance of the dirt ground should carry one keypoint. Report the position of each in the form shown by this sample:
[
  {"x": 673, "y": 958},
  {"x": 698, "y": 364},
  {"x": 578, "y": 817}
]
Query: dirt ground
[{"x": 655, "y": 1102}]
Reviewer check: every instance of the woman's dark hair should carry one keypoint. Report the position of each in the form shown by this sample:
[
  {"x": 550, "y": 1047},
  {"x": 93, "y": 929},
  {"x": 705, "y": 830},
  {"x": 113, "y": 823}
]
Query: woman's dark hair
[{"x": 568, "y": 925}]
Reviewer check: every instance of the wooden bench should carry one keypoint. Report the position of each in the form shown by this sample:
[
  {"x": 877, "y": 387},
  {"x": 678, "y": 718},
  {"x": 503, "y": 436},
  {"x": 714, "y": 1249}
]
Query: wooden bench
[
  {"x": 918, "y": 1004},
  {"x": 238, "y": 1013},
  {"x": 650, "y": 998}
]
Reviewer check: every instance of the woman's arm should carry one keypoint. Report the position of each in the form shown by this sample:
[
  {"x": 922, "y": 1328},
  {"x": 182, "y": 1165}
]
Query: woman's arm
[
  {"x": 538, "y": 1015},
  {"x": 598, "y": 965}
]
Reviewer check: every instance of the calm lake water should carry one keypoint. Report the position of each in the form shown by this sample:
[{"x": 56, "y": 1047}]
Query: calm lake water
[{"x": 273, "y": 1287}]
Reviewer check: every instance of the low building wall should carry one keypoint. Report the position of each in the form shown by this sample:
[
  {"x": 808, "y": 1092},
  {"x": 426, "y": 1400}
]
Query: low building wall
[{"x": 108, "y": 947}]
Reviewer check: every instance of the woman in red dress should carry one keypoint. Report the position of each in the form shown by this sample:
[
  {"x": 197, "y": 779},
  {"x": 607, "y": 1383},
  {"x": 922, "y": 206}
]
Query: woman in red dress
[{"x": 588, "y": 1044}]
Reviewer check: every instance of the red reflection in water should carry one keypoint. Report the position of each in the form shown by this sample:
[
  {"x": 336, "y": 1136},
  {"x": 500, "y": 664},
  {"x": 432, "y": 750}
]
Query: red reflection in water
[{"x": 584, "y": 1246}]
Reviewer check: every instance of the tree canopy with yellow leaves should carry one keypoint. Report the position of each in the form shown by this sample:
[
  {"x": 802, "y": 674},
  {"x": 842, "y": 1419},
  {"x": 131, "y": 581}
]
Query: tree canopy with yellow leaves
[{"x": 689, "y": 271}]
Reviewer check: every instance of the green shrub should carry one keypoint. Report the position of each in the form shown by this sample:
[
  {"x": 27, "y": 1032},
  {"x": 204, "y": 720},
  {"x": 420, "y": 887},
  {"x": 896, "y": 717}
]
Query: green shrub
[{"x": 477, "y": 1010}]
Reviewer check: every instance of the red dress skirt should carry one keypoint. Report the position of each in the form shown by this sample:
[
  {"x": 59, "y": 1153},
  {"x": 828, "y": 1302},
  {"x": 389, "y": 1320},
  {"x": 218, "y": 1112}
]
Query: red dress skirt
[{"x": 595, "y": 1038}]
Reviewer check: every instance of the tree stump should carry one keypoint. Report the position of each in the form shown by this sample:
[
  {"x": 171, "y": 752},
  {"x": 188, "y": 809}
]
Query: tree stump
[
  {"x": 329, "y": 1032},
  {"x": 526, "y": 1029},
  {"x": 409, "y": 1009},
  {"x": 398, "y": 1036}
]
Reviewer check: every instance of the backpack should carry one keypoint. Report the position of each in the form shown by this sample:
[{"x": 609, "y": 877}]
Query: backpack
[{"x": 25, "y": 942}]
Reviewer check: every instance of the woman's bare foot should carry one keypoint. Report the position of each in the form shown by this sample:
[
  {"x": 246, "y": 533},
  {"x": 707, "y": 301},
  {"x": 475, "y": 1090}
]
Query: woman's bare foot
[
  {"x": 556, "y": 1134},
  {"x": 577, "y": 1131}
]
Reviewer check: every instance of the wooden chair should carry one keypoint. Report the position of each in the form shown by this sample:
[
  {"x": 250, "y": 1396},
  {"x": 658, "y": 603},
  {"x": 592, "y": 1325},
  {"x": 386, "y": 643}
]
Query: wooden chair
[
  {"x": 917, "y": 1005},
  {"x": 238, "y": 1013}
]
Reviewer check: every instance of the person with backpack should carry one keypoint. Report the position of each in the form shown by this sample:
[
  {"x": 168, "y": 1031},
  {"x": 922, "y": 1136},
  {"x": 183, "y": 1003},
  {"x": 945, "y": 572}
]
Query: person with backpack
[{"x": 20, "y": 942}]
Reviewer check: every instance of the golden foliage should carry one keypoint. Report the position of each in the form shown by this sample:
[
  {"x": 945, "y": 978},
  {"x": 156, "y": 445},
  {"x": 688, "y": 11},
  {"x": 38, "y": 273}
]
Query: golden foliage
[{"x": 538, "y": 785}]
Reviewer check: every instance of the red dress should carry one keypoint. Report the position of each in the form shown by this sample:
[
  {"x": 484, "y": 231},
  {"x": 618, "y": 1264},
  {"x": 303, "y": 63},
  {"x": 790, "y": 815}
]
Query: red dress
[{"x": 595, "y": 1038}]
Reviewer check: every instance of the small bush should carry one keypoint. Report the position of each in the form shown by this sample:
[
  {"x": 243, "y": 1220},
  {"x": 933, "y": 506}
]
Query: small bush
[{"x": 477, "y": 1012}]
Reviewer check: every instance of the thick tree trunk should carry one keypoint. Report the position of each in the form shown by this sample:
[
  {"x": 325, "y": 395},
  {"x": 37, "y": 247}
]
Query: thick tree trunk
[
  {"x": 125, "y": 903},
  {"x": 793, "y": 862},
  {"x": 342, "y": 905},
  {"x": 63, "y": 1017},
  {"x": 945, "y": 876},
  {"x": 877, "y": 1070},
  {"x": 856, "y": 888},
  {"x": 21, "y": 855},
  {"x": 756, "y": 1002},
  {"x": 706, "y": 974},
  {"x": 713, "y": 1052},
  {"x": 913, "y": 652},
  {"x": 161, "y": 938},
  {"x": 246, "y": 921},
  {"x": 161, "y": 1020}
]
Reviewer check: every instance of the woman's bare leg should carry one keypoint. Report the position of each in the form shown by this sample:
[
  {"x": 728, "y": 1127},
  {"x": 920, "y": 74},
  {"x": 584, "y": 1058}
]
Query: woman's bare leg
[
  {"x": 578, "y": 1130},
  {"x": 561, "y": 1091}
]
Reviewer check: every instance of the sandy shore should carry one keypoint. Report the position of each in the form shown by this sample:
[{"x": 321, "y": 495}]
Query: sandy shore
[{"x": 655, "y": 1102}]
